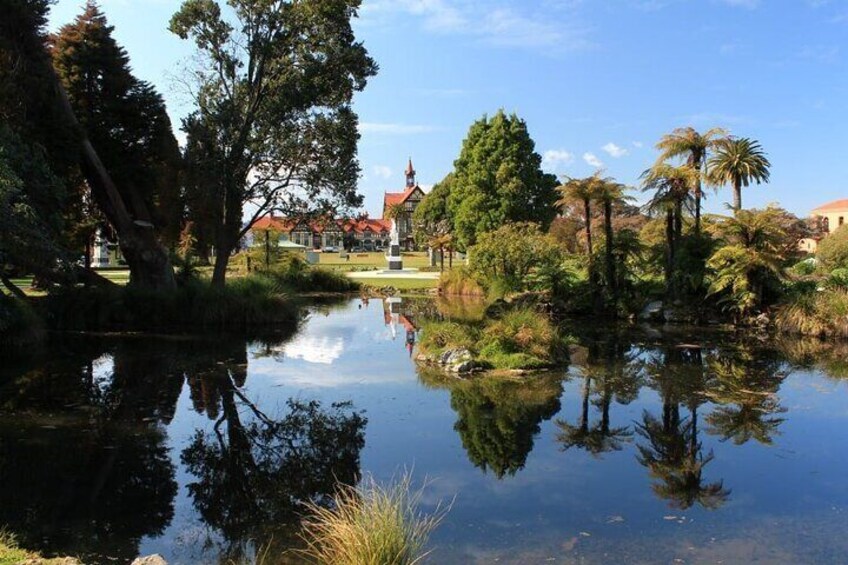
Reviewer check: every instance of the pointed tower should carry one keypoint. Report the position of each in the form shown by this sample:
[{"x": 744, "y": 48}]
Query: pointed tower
[{"x": 410, "y": 174}]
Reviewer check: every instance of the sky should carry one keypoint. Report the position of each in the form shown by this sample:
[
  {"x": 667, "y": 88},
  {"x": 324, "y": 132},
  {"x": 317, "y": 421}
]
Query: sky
[{"x": 597, "y": 81}]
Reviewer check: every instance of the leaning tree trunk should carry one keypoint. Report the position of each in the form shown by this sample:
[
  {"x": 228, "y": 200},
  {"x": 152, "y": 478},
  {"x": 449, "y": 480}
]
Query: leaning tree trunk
[{"x": 148, "y": 260}]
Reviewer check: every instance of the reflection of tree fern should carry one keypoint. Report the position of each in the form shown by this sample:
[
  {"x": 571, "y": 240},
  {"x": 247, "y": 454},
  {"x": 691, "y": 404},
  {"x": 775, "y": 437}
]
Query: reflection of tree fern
[
  {"x": 674, "y": 457},
  {"x": 746, "y": 392}
]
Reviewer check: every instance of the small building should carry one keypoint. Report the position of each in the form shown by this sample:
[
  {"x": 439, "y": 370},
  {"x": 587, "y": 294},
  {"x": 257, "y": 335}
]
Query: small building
[
  {"x": 828, "y": 217},
  {"x": 409, "y": 200}
]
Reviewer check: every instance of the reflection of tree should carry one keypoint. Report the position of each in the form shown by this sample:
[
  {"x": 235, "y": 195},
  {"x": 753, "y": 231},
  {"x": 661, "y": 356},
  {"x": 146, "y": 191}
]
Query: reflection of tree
[
  {"x": 499, "y": 417},
  {"x": 614, "y": 372},
  {"x": 673, "y": 453},
  {"x": 745, "y": 388},
  {"x": 253, "y": 470},
  {"x": 101, "y": 479}
]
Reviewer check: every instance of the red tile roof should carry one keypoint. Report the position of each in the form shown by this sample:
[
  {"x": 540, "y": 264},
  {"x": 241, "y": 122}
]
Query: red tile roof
[
  {"x": 391, "y": 198},
  {"x": 834, "y": 206}
]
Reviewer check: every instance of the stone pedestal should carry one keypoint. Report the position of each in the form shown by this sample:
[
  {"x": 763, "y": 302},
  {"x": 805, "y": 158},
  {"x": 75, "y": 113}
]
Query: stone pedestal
[{"x": 394, "y": 258}]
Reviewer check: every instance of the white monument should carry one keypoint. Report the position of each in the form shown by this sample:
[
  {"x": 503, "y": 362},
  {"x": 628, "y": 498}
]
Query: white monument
[{"x": 394, "y": 258}]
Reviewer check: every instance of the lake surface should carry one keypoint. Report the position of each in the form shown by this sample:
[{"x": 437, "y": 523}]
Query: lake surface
[{"x": 693, "y": 446}]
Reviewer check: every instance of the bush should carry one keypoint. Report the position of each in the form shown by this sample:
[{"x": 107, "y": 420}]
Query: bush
[
  {"x": 819, "y": 313},
  {"x": 370, "y": 525},
  {"x": 838, "y": 279},
  {"x": 804, "y": 268},
  {"x": 832, "y": 251},
  {"x": 439, "y": 336}
]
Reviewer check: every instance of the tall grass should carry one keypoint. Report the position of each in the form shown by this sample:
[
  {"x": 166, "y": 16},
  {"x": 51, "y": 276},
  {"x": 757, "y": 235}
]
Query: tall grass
[
  {"x": 460, "y": 282},
  {"x": 371, "y": 525},
  {"x": 818, "y": 313}
]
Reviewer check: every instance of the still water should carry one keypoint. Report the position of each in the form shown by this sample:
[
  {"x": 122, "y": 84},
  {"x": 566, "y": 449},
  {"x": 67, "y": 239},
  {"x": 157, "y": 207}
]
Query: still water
[{"x": 689, "y": 447}]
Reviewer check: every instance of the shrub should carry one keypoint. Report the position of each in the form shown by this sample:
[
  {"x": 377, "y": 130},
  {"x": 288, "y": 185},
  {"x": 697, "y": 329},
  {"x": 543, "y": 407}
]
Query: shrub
[
  {"x": 821, "y": 314},
  {"x": 438, "y": 336},
  {"x": 804, "y": 268},
  {"x": 370, "y": 525},
  {"x": 522, "y": 339},
  {"x": 838, "y": 278},
  {"x": 832, "y": 251}
]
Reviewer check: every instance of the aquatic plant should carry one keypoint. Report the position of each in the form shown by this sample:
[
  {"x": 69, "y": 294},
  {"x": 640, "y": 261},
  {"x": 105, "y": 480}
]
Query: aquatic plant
[{"x": 371, "y": 524}]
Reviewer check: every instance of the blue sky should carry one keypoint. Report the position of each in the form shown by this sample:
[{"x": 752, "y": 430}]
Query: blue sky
[{"x": 598, "y": 82}]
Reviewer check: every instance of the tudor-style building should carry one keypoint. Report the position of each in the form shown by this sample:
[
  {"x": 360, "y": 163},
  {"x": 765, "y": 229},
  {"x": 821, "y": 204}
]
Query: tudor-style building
[
  {"x": 321, "y": 234},
  {"x": 409, "y": 199}
]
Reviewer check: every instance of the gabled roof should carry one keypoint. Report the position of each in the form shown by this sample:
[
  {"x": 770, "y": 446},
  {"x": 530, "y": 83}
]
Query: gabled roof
[
  {"x": 835, "y": 206},
  {"x": 391, "y": 198},
  {"x": 286, "y": 225},
  {"x": 359, "y": 226}
]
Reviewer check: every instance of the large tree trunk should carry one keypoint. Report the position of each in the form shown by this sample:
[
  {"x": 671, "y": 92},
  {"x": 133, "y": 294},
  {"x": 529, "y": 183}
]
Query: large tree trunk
[
  {"x": 698, "y": 208},
  {"x": 147, "y": 258},
  {"x": 222, "y": 260},
  {"x": 669, "y": 255}
]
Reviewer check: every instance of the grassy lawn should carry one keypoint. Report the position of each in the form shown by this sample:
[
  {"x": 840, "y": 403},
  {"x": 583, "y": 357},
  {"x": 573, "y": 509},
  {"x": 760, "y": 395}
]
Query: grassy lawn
[
  {"x": 399, "y": 283},
  {"x": 376, "y": 260}
]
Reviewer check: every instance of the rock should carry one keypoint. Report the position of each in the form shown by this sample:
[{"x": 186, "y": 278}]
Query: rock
[
  {"x": 455, "y": 356},
  {"x": 155, "y": 559},
  {"x": 464, "y": 367},
  {"x": 653, "y": 312}
]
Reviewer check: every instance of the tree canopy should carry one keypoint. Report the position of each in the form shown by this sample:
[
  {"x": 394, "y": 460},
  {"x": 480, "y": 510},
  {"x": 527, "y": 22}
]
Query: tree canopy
[
  {"x": 498, "y": 179},
  {"x": 274, "y": 83}
]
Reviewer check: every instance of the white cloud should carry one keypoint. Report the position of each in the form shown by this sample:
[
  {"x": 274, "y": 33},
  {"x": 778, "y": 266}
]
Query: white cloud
[
  {"x": 592, "y": 160},
  {"x": 395, "y": 128},
  {"x": 614, "y": 150},
  {"x": 382, "y": 171},
  {"x": 512, "y": 26},
  {"x": 556, "y": 158},
  {"x": 638, "y": 144}
]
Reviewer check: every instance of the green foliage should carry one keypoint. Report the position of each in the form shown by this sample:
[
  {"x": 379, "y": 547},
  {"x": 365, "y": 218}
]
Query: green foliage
[
  {"x": 832, "y": 251},
  {"x": 124, "y": 118},
  {"x": 738, "y": 162},
  {"x": 804, "y": 268},
  {"x": 498, "y": 179},
  {"x": 431, "y": 217},
  {"x": 516, "y": 257},
  {"x": 520, "y": 338},
  {"x": 274, "y": 118},
  {"x": 838, "y": 279},
  {"x": 750, "y": 253}
]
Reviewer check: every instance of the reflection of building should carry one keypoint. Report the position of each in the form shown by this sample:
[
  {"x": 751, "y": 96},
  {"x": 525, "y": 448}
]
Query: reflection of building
[
  {"x": 828, "y": 217},
  {"x": 408, "y": 201}
]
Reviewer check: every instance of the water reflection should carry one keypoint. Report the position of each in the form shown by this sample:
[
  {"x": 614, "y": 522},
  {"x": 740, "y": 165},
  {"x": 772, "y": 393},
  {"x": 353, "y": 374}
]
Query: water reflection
[
  {"x": 498, "y": 418},
  {"x": 609, "y": 370}
]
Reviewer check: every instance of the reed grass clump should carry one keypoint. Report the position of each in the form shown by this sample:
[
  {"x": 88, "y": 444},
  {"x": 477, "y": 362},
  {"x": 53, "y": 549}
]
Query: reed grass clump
[
  {"x": 370, "y": 524},
  {"x": 821, "y": 313}
]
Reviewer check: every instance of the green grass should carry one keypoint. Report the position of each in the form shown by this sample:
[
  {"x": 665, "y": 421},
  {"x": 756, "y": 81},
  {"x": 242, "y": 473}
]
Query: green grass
[
  {"x": 399, "y": 283},
  {"x": 370, "y": 525},
  {"x": 374, "y": 260},
  {"x": 11, "y": 554}
]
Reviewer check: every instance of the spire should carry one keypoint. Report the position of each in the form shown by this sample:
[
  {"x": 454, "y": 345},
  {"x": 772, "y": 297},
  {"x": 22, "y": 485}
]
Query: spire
[{"x": 410, "y": 174}]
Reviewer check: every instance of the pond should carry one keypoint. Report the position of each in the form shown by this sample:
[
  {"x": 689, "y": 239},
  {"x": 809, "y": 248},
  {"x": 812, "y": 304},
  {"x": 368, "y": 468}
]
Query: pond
[{"x": 691, "y": 446}]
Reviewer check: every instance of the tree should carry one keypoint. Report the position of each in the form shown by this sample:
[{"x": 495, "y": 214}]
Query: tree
[
  {"x": 273, "y": 97},
  {"x": 738, "y": 162},
  {"x": 832, "y": 251},
  {"x": 497, "y": 179},
  {"x": 750, "y": 253},
  {"x": 431, "y": 216},
  {"x": 694, "y": 147},
  {"x": 511, "y": 253},
  {"x": 125, "y": 118},
  {"x": 609, "y": 193},
  {"x": 35, "y": 86},
  {"x": 672, "y": 190}
]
